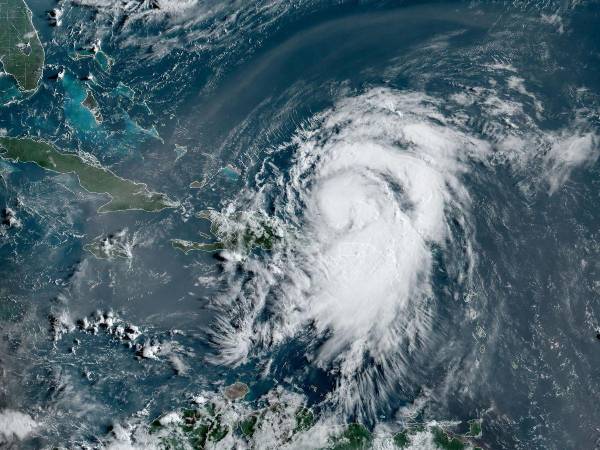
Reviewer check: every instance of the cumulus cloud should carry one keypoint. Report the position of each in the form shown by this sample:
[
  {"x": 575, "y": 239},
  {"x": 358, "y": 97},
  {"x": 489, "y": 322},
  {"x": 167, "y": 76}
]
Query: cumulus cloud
[
  {"x": 15, "y": 425},
  {"x": 567, "y": 153}
]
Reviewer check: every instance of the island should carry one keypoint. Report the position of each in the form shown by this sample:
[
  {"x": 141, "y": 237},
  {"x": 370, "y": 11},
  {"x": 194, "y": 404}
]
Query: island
[
  {"x": 91, "y": 104},
  {"x": 442, "y": 438},
  {"x": 21, "y": 51},
  {"x": 188, "y": 246},
  {"x": 236, "y": 391},
  {"x": 242, "y": 232},
  {"x": 124, "y": 194},
  {"x": 196, "y": 184},
  {"x": 211, "y": 420}
]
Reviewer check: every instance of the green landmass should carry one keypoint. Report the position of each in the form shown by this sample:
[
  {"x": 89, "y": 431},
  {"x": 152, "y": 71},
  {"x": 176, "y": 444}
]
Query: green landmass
[
  {"x": 125, "y": 194},
  {"x": 402, "y": 439},
  {"x": 205, "y": 425},
  {"x": 445, "y": 441},
  {"x": 442, "y": 438},
  {"x": 248, "y": 425},
  {"x": 355, "y": 437},
  {"x": 241, "y": 232},
  {"x": 199, "y": 427},
  {"x": 305, "y": 419},
  {"x": 91, "y": 103},
  {"x": 188, "y": 246},
  {"x": 21, "y": 51},
  {"x": 475, "y": 428}
]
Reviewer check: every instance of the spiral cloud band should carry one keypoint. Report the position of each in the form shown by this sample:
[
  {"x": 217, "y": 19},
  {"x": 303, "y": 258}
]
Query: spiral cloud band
[{"x": 373, "y": 184}]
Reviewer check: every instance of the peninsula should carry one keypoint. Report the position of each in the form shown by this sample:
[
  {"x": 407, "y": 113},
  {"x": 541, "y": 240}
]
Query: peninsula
[{"x": 21, "y": 51}]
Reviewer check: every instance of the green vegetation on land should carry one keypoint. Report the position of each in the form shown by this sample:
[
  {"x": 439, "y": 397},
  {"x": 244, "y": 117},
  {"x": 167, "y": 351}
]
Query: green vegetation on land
[
  {"x": 474, "y": 428},
  {"x": 21, "y": 51},
  {"x": 248, "y": 425},
  {"x": 125, "y": 194},
  {"x": 304, "y": 419},
  {"x": 404, "y": 438},
  {"x": 241, "y": 232},
  {"x": 442, "y": 438},
  {"x": 401, "y": 439},
  {"x": 444, "y": 441},
  {"x": 91, "y": 103},
  {"x": 188, "y": 246},
  {"x": 355, "y": 437},
  {"x": 205, "y": 425},
  {"x": 199, "y": 427}
]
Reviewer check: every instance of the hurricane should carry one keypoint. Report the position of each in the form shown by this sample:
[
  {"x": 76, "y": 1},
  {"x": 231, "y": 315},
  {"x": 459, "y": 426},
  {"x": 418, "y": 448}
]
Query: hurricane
[
  {"x": 312, "y": 224},
  {"x": 374, "y": 185}
]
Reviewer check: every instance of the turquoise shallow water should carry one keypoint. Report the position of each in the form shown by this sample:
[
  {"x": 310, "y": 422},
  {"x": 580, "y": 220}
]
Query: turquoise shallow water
[{"x": 406, "y": 195}]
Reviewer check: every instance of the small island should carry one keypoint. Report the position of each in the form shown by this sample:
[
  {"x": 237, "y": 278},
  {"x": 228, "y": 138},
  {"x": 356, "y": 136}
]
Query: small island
[
  {"x": 188, "y": 246},
  {"x": 21, "y": 51},
  {"x": 91, "y": 104},
  {"x": 124, "y": 194},
  {"x": 236, "y": 391}
]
